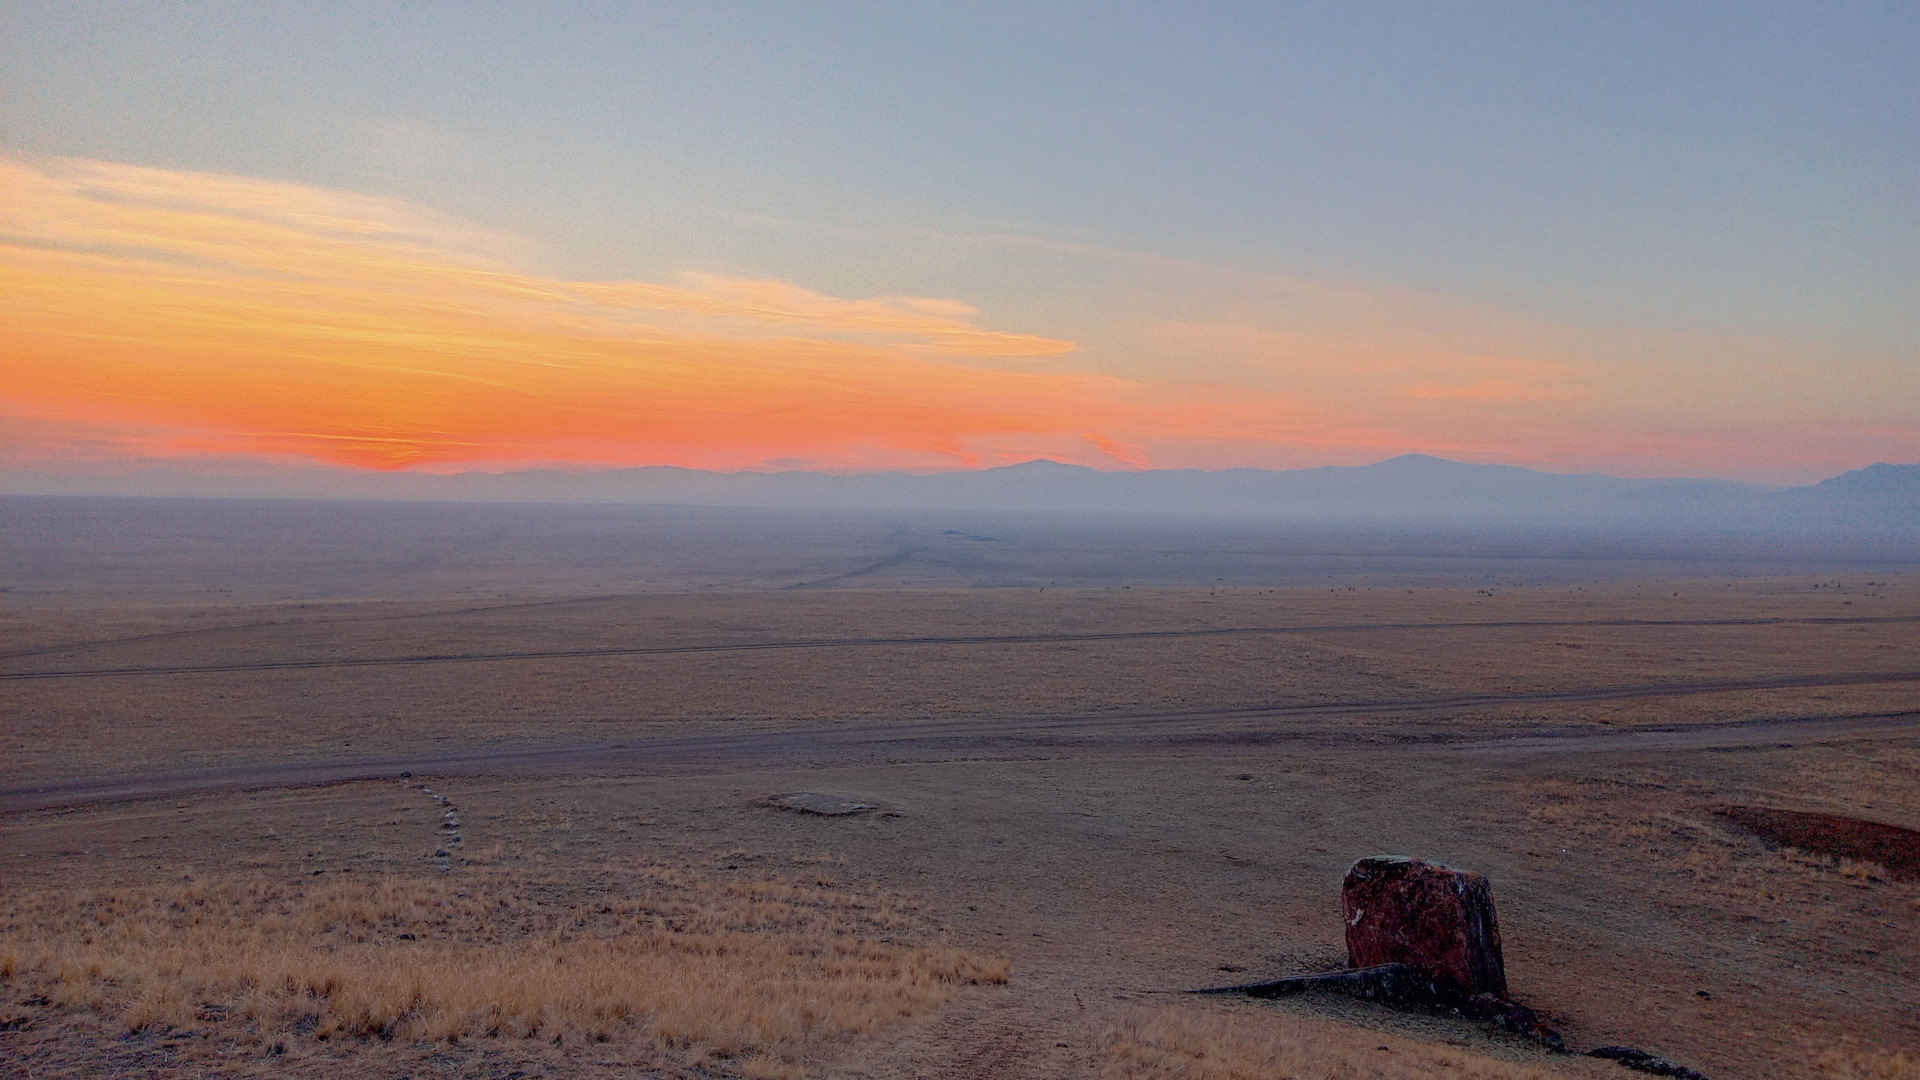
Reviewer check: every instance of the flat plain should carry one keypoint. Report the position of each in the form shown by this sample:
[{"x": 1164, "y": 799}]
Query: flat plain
[{"x": 1098, "y": 766}]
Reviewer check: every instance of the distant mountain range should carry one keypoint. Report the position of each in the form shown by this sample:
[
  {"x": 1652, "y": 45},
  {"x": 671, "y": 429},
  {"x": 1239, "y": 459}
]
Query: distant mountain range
[{"x": 1415, "y": 489}]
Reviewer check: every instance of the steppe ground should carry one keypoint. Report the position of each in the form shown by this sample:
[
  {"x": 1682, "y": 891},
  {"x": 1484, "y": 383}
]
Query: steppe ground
[{"x": 1123, "y": 761}]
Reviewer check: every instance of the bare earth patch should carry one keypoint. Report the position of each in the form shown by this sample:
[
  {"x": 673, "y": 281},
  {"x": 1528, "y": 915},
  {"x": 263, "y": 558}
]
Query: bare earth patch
[
  {"x": 1193, "y": 1043},
  {"x": 1197, "y": 1044},
  {"x": 1873, "y": 843},
  {"x": 1124, "y": 791}
]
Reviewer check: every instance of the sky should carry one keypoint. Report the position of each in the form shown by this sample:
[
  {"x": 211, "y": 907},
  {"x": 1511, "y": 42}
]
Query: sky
[{"x": 1644, "y": 239}]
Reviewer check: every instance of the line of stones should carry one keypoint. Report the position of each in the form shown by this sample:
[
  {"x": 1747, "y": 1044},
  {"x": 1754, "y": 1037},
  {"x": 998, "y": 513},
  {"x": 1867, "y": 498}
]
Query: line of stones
[{"x": 449, "y": 821}]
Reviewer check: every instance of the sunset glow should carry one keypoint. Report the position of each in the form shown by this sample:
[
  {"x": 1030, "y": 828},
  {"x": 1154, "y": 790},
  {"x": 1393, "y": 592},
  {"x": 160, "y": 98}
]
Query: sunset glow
[
  {"x": 430, "y": 239},
  {"x": 158, "y": 314},
  {"x": 275, "y": 319}
]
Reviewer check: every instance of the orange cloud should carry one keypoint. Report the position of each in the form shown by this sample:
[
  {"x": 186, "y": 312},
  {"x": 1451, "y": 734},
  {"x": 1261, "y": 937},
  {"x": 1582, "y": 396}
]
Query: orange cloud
[
  {"x": 271, "y": 318},
  {"x": 1131, "y": 454}
]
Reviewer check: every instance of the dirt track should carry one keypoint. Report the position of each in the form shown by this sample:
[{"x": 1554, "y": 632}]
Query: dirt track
[
  {"x": 871, "y": 642},
  {"x": 842, "y": 745}
]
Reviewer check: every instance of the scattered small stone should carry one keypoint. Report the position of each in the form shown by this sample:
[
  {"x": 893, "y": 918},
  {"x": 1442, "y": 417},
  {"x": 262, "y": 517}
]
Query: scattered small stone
[{"x": 1511, "y": 1015}]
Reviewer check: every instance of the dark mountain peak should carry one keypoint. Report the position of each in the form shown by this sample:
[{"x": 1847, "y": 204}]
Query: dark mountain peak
[
  {"x": 1429, "y": 465},
  {"x": 1428, "y": 461},
  {"x": 1042, "y": 467},
  {"x": 1881, "y": 479}
]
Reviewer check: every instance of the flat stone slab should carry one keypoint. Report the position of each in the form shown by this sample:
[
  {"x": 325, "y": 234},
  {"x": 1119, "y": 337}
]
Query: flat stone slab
[
  {"x": 1403, "y": 984},
  {"x": 1644, "y": 1062},
  {"x": 809, "y": 802},
  {"x": 1399, "y": 984}
]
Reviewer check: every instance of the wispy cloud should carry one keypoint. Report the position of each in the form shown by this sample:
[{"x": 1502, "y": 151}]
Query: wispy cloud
[
  {"x": 258, "y": 317},
  {"x": 150, "y": 312}
]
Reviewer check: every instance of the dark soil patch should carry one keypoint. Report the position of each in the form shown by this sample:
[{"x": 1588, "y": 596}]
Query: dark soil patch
[{"x": 1893, "y": 846}]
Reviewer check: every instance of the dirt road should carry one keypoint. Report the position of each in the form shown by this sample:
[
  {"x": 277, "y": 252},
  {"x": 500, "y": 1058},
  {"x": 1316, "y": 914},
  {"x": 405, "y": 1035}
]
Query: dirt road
[
  {"x": 821, "y": 746},
  {"x": 321, "y": 663}
]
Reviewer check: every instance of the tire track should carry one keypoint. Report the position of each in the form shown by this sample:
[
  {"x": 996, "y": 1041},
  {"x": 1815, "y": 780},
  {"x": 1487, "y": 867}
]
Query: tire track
[
  {"x": 885, "y": 642},
  {"x": 276, "y": 624},
  {"x": 873, "y": 567},
  {"x": 825, "y": 746}
]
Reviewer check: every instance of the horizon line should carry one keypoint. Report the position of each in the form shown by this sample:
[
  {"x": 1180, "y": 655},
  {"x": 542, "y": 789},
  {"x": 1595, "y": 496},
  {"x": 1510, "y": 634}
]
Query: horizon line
[{"x": 263, "y": 469}]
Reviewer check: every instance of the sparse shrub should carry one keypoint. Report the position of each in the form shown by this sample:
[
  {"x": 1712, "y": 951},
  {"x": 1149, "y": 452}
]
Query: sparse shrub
[{"x": 1861, "y": 870}]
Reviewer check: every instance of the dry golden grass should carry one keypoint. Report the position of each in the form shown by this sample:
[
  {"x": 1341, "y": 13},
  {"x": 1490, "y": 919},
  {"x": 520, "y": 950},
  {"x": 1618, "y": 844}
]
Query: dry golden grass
[
  {"x": 1853, "y": 1063},
  {"x": 1196, "y": 1044},
  {"x": 762, "y": 972}
]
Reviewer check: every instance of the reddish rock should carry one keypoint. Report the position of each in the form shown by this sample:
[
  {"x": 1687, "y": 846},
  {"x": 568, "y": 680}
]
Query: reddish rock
[{"x": 1438, "y": 921}]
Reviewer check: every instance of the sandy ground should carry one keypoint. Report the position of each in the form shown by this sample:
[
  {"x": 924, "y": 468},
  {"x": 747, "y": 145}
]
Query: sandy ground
[
  {"x": 1114, "y": 861},
  {"x": 1110, "y": 877}
]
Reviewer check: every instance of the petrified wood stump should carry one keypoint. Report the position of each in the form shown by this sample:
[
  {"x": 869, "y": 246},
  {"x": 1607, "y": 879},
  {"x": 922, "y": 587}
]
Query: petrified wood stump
[{"x": 1438, "y": 921}]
